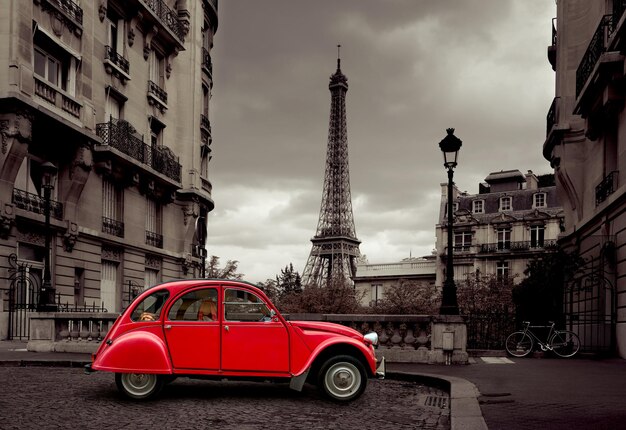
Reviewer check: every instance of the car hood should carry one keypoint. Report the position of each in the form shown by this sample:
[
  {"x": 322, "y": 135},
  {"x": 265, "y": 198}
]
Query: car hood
[{"x": 327, "y": 327}]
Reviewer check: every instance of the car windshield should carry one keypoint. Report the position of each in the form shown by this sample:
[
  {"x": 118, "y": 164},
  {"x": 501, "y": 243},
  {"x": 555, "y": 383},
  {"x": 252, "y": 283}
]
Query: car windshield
[{"x": 149, "y": 309}]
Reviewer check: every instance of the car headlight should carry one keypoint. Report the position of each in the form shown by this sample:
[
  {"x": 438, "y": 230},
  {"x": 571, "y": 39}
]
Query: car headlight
[{"x": 372, "y": 337}]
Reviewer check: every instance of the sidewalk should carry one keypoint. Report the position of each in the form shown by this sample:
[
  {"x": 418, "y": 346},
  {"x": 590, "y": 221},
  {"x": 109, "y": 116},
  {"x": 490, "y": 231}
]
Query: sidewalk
[{"x": 528, "y": 393}]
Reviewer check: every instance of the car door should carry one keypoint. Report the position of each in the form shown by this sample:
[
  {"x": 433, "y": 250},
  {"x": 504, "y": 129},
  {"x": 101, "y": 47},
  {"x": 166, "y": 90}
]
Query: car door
[
  {"x": 251, "y": 339},
  {"x": 192, "y": 330}
]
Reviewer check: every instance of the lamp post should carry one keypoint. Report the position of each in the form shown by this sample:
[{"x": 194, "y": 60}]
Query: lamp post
[
  {"x": 450, "y": 146},
  {"x": 47, "y": 293}
]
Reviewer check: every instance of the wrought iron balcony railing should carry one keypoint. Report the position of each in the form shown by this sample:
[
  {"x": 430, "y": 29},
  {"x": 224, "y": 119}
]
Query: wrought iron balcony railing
[
  {"x": 551, "y": 117},
  {"x": 154, "y": 239},
  {"x": 117, "y": 59},
  {"x": 34, "y": 203},
  {"x": 70, "y": 8},
  {"x": 596, "y": 48},
  {"x": 606, "y": 187},
  {"x": 205, "y": 123},
  {"x": 111, "y": 226},
  {"x": 508, "y": 246},
  {"x": 157, "y": 91},
  {"x": 122, "y": 135},
  {"x": 167, "y": 15},
  {"x": 207, "y": 63}
]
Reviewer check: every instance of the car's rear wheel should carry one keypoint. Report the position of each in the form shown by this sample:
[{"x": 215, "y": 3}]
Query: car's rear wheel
[
  {"x": 139, "y": 386},
  {"x": 342, "y": 378}
]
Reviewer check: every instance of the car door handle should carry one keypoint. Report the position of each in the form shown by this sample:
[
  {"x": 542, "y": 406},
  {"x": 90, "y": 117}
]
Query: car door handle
[
  {"x": 167, "y": 327},
  {"x": 226, "y": 328}
]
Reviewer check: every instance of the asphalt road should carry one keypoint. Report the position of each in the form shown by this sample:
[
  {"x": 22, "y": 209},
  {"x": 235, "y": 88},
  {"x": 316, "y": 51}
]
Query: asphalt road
[{"x": 66, "y": 398}]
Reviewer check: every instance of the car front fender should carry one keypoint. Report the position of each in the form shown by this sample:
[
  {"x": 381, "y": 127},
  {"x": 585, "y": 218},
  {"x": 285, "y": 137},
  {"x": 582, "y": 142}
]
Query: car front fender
[
  {"x": 342, "y": 345},
  {"x": 134, "y": 352}
]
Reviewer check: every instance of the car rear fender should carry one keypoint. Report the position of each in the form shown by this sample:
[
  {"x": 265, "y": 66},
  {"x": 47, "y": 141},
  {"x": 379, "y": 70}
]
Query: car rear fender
[
  {"x": 338, "y": 346},
  {"x": 134, "y": 352}
]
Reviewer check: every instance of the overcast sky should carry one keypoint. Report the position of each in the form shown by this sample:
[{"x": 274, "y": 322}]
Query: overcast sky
[{"x": 414, "y": 68}]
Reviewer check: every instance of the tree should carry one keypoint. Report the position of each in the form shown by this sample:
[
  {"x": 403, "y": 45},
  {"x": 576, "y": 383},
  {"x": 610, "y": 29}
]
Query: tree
[
  {"x": 539, "y": 297},
  {"x": 338, "y": 297},
  {"x": 409, "y": 298},
  {"x": 288, "y": 282},
  {"x": 229, "y": 271},
  {"x": 270, "y": 288},
  {"x": 485, "y": 293}
]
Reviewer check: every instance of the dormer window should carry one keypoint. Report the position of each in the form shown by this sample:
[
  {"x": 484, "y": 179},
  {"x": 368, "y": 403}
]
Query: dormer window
[
  {"x": 539, "y": 200},
  {"x": 478, "y": 206},
  {"x": 506, "y": 204}
]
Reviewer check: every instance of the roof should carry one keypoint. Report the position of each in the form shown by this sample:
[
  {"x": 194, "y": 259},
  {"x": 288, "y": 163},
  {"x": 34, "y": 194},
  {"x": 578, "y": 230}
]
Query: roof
[{"x": 505, "y": 176}]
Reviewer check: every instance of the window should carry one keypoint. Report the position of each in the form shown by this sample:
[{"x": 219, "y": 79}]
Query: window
[
  {"x": 115, "y": 31},
  {"x": 108, "y": 286},
  {"x": 204, "y": 165},
  {"x": 502, "y": 270},
  {"x": 149, "y": 309},
  {"x": 536, "y": 236},
  {"x": 539, "y": 200},
  {"x": 478, "y": 206},
  {"x": 157, "y": 68},
  {"x": 112, "y": 209},
  {"x": 53, "y": 64},
  {"x": 154, "y": 223},
  {"x": 505, "y": 204},
  {"x": 242, "y": 305},
  {"x": 112, "y": 108},
  {"x": 462, "y": 240},
  {"x": 504, "y": 238},
  {"x": 150, "y": 278},
  {"x": 455, "y": 206},
  {"x": 156, "y": 132},
  {"x": 198, "y": 305},
  {"x": 48, "y": 67},
  {"x": 376, "y": 294}
]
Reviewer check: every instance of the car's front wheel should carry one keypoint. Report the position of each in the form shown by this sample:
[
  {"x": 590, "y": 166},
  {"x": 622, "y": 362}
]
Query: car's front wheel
[
  {"x": 139, "y": 386},
  {"x": 342, "y": 378}
]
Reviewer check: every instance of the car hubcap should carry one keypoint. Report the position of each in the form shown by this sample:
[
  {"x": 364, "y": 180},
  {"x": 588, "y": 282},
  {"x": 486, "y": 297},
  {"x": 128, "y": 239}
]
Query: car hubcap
[
  {"x": 139, "y": 384},
  {"x": 342, "y": 379}
]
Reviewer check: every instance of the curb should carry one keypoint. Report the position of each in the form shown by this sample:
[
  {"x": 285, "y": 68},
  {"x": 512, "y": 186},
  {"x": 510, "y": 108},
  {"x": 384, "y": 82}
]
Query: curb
[
  {"x": 465, "y": 413},
  {"x": 43, "y": 363}
]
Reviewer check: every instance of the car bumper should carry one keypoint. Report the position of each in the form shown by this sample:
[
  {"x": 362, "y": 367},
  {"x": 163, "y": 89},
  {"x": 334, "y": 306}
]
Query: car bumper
[
  {"x": 381, "y": 369},
  {"x": 88, "y": 369}
]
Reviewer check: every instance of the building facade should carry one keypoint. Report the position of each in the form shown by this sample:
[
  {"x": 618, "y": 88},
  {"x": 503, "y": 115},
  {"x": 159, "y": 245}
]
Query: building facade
[
  {"x": 373, "y": 280},
  {"x": 513, "y": 219},
  {"x": 585, "y": 143},
  {"x": 115, "y": 94}
]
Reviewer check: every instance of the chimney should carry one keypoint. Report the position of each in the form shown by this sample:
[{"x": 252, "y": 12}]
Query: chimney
[{"x": 532, "y": 182}]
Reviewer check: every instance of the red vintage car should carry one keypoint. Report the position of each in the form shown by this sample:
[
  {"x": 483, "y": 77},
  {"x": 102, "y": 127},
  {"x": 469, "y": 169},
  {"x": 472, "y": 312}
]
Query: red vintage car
[{"x": 230, "y": 329}]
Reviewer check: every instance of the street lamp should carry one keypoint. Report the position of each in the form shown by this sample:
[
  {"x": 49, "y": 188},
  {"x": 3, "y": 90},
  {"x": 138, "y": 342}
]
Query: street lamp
[
  {"x": 47, "y": 292},
  {"x": 450, "y": 146}
]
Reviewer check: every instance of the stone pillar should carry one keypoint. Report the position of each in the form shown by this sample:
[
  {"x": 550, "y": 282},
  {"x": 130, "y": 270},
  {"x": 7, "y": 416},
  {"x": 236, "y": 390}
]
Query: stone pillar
[{"x": 448, "y": 340}]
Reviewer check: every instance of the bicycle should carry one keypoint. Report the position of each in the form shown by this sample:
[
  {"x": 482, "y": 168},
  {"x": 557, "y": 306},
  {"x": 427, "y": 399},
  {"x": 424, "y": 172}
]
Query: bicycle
[{"x": 563, "y": 343}]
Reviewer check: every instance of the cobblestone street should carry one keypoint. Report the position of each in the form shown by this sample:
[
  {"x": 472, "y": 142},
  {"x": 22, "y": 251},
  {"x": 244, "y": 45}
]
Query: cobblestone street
[{"x": 40, "y": 397}]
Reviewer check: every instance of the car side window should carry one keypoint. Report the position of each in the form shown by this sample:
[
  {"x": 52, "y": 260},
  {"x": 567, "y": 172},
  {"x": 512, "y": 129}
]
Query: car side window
[
  {"x": 240, "y": 305},
  {"x": 149, "y": 309},
  {"x": 197, "y": 305}
]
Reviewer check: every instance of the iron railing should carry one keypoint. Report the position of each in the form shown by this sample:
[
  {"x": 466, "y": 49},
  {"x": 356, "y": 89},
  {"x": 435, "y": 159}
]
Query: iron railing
[
  {"x": 112, "y": 226},
  {"x": 70, "y": 8},
  {"x": 167, "y": 16},
  {"x": 205, "y": 123},
  {"x": 157, "y": 91},
  {"x": 596, "y": 48},
  {"x": 115, "y": 58},
  {"x": 489, "y": 330},
  {"x": 34, "y": 203},
  {"x": 619, "y": 6},
  {"x": 606, "y": 187},
  {"x": 154, "y": 239},
  {"x": 122, "y": 135},
  {"x": 526, "y": 245},
  {"x": 207, "y": 63},
  {"x": 551, "y": 117}
]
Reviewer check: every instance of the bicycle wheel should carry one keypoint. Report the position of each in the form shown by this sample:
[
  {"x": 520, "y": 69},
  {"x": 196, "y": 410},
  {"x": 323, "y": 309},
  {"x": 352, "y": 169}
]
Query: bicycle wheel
[
  {"x": 565, "y": 343},
  {"x": 519, "y": 344}
]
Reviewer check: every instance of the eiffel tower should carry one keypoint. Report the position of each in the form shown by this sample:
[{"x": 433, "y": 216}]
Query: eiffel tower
[{"x": 335, "y": 246}]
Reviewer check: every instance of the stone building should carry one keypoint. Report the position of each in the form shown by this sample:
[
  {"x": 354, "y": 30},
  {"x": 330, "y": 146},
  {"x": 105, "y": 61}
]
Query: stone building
[
  {"x": 115, "y": 94},
  {"x": 372, "y": 280},
  {"x": 513, "y": 218},
  {"x": 585, "y": 144}
]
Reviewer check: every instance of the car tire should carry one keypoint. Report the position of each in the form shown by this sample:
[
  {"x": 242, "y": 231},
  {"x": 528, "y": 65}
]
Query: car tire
[
  {"x": 342, "y": 378},
  {"x": 139, "y": 386}
]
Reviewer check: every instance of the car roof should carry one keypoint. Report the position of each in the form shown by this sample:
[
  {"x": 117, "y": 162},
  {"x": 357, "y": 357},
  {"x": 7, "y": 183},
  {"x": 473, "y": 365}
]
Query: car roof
[{"x": 178, "y": 285}]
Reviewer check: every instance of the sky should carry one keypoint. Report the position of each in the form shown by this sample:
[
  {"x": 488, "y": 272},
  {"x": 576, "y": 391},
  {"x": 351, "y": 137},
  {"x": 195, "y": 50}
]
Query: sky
[{"x": 414, "y": 68}]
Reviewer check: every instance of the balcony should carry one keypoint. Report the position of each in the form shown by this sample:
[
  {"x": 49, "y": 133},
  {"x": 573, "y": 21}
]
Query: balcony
[
  {"x": 167, "y": 16},
  {"x": 597, "y": 46},
  {"x": 508, "y": 246},
  {"x": 157, "y": 95},
  {"x": 113, "y": 227},
  {"x": 67, "y": 11},
  {"x": 57, "y": 97},
  {"x": 205, "y": 124},
  {"x": 116, "y": 64},
  {"x": 606, "y": 187},
  {"x": 207, "y": 63},
  {"x": 122, "y": 136},
  {"x": 552, "y": 47},
  {"x": 36, "y": 204},
  {"x": 154, "y": 239}
]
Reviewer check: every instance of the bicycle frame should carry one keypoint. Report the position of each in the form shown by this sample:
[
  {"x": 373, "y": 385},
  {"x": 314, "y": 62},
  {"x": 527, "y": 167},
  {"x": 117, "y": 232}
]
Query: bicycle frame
[{"x": 545, "y": 346}]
